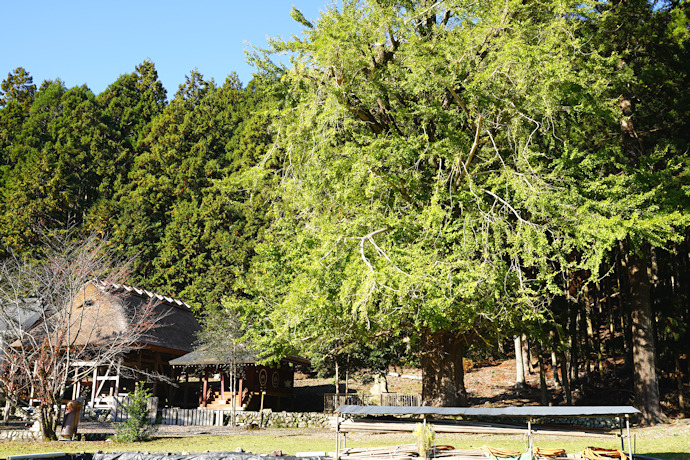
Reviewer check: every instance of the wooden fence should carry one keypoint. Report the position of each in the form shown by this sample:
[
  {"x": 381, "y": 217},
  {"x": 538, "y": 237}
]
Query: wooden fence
[
  {"x": 218, "y": 417},
  {"x": 174, "y": 416},
  {"x": 331, "y": 401},
  {"x": 118, "y": 411},
  {"x": 203, "y": 417}
]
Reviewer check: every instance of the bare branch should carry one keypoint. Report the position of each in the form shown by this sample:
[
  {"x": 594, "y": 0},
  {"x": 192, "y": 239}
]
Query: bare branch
[{"x": 54, "y": 316}]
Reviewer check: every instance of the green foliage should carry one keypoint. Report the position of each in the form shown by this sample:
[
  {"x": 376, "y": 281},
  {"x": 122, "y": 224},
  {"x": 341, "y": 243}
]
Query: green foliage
[
  {"x": 415, "y": 191},
  {"x": 299, "y": 17},
  {"x": 16, "y": 97},
  {"x": 448, "y": 167},
  {"x": 129, "y": 105},
  {"x": 376, "y": 354},
  {"x": 222, "y": 337},
  {"x": 186, "y": 209},
  {"x": 420, "y": 166},
  {"x": 55, "y": 179},
  {"x": 167, "y": 181},
  {"x": 137, "y": 427}
]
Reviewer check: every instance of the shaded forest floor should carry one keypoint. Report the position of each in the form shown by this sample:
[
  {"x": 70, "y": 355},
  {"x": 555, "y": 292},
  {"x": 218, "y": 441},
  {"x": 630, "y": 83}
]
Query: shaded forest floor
[{"x": 492, "y": 383}]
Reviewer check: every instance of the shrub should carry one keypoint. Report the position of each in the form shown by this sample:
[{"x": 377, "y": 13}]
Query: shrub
[
  {"x": 425, "y": 438},
  {"x": 137, "y": 427}
]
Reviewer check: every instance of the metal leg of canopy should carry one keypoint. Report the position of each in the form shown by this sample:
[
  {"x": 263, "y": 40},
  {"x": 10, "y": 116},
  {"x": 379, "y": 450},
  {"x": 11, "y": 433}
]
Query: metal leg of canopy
[{"x": 530, "y": 438}]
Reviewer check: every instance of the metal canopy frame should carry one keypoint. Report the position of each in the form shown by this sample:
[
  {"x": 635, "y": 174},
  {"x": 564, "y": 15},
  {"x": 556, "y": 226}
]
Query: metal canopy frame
[{"x": 529, "y": 412}]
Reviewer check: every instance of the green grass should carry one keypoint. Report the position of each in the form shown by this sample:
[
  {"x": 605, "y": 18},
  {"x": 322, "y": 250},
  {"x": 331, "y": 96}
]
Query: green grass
[{"x": 670, "y": 445}]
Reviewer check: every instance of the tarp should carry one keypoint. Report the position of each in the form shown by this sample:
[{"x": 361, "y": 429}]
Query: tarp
[
  {"x": 204, "y": 456},
  {"x": 160, "y": 456}
]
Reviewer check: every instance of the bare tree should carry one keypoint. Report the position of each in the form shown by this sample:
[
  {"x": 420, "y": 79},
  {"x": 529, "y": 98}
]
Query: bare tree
[
  {"x": 72, "y": 333},
  {"x": 222, "y": 338}
]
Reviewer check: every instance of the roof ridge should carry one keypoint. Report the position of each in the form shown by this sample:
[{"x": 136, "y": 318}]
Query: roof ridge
[{"x": 144, "y": 292}]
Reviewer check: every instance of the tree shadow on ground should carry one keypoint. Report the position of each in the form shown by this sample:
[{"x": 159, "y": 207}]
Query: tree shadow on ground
[
  {"x": 310, "y": 398},
  {"x": 509, "y": 397}
]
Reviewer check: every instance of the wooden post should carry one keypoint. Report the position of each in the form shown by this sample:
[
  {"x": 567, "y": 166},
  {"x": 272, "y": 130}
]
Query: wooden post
[
  {"x": 222, "y": 386},
  {"x": 171, "y": 388},
  {"x": 186, "y": 388},
  {"x": 233, "y": 408},
  {"x": 204, "y": 390},
  {"x": 94, "y": 387},
  {"x": 423, "y": 434},
  {"x": 76, "y": 389},
  {"x": 157, "y": 368},
  {"x": 117, "y": 380}
]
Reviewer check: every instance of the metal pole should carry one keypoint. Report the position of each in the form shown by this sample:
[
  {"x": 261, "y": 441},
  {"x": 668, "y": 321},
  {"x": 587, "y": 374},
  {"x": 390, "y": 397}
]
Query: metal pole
[
  {"x": 530, "y": 441},
  {"x": 620, "y": 425},
  {"x": 337, "y": 436},
  {"x": 424, "y": 435},
  {"x": 627, "y": 427}
]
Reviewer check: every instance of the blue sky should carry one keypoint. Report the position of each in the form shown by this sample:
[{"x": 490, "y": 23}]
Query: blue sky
[{"x": 93, "y": 42}]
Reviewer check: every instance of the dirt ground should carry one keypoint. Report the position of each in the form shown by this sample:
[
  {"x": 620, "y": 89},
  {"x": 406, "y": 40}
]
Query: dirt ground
[
  {"x": 175, "y": 431},
  {"x": 492, "y": 383},
  {"x": 488, "y": 384},
  {"x": 674, "y": 428}
]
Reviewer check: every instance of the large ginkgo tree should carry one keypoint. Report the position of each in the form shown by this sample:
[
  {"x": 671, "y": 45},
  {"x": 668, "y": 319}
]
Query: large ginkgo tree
[{"x": 417, "y": 191}]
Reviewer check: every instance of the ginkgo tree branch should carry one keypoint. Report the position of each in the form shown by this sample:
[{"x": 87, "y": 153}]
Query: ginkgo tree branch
[
  {"x": 370, "y": 238},
  {"x": 364, "y": 239}
]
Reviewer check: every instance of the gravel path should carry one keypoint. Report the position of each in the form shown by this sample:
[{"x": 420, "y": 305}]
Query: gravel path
[{"x": 177, "y": 431}]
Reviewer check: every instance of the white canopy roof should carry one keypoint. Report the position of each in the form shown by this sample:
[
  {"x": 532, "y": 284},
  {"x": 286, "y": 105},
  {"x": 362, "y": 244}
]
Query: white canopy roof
[{"x": 522, "y": 411}]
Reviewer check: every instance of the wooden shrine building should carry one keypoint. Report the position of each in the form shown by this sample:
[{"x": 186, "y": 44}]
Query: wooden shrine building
[
  {"x": 107, "y": 309},
  {"x": 256, "y": 386}
]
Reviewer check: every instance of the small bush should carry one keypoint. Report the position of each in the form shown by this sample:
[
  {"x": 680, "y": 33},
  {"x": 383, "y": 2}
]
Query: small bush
[
  {"x": 137, "y": 427},
  {"x": 425, "y": 438}
]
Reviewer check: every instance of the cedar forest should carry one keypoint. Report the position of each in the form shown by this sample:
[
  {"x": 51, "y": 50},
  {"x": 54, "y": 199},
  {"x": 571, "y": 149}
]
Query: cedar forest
[{"x": 424, "y": 181}]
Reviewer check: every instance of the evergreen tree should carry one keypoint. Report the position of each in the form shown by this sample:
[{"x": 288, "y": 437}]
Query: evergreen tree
[
  {"x": 16, "y": 97},
  {"x": 55, "y": 181},
  {"x": 186, "y": 210},
  {"x": 626, "y": 171},
  {"x": 129, "y": 106}
]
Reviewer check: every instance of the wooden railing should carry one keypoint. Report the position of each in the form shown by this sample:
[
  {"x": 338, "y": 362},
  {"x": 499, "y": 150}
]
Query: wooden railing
[
  {"x": 202, "y": 417},
  {"x": 118, "y": 411},
  {"x": 331, "y": 401},
  {"x": 174, "y": 416}
]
